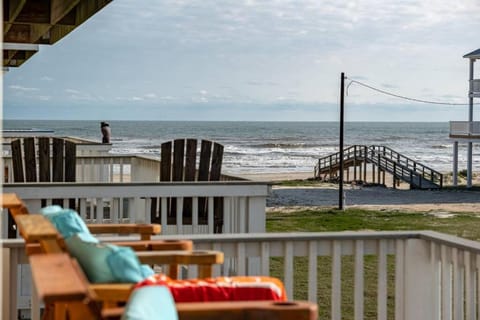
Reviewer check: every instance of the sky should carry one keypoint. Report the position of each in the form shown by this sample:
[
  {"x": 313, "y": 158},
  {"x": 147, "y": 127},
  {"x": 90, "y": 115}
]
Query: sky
[{"x": 253, "y": 60}]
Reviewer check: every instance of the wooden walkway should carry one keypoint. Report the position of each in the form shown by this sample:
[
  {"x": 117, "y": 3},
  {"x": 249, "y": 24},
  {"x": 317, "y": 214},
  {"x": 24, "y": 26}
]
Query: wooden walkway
[{"x": 382, "y": 160}]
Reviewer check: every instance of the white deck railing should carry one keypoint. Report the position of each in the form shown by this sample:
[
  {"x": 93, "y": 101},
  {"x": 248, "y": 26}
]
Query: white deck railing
[
  {"x": 112, "y": 168},
  {"x": 243, "y": 206},
  {"x": 465, "y": 128},
  {"x": 394, "y": 275}
]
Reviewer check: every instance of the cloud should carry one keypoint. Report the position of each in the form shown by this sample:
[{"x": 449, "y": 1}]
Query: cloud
[
  {"x": 150, "y": 95},
  {"x": 259, "y": 51},
  {"x": 23, "y": 89},
  {"x": 167, "y": 98}
]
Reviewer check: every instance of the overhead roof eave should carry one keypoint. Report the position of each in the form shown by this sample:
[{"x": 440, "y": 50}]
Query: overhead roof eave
[
  {"x": 14, "y": 54},
  {"x": 473, "y": 55},
  {"x": 37, "y": 22}
]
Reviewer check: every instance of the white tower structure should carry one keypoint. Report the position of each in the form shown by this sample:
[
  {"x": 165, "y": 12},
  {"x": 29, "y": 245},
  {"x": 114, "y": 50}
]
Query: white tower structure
[{"x": 467, "y": 131}]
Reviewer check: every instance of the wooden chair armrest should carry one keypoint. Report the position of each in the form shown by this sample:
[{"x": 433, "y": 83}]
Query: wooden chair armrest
[
  {"x": 12, "y": 202},
  {"x": 35, "y": 227},
  {"x": 199, "y": 257},
  {"x": 56, "y": 278},
  {"x": 157, "y": 245},
  {"x": 145, "y": 230},
  {"x": 204, "y": 259},
  {"x": 246, "y": 310},
  {"x": 112, "y": 291}
]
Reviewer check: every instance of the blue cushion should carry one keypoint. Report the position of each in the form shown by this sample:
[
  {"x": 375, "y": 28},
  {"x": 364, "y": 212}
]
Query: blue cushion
[
  {"x": 107, "y": 263},
  {"x": 67, "y": 222},
  {"x": 150, "y": 303}
]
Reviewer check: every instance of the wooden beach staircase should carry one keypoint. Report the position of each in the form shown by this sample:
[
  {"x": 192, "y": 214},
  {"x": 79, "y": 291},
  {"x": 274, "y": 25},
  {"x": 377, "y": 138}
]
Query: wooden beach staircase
[{"x": 382, "y": 160}]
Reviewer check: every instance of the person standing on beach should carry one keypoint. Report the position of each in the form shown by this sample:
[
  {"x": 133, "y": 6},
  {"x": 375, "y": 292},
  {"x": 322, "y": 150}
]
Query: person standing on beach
[{"x": 106, "y": 132}]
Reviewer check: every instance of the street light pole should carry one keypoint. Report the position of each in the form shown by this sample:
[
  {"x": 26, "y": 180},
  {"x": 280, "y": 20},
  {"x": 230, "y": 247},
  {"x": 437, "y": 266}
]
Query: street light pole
[{"x": 340, "y": 185}]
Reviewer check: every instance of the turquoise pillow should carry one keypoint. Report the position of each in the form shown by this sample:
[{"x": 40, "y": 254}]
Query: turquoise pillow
[
  {"x": 107, "y": 263},
  {"x": 67, "y": 222},
  {"x": 150, "y": 303}
]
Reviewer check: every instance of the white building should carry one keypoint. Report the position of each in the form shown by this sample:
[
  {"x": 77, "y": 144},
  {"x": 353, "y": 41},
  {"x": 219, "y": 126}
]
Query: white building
[{"x": 467, "y": 131}]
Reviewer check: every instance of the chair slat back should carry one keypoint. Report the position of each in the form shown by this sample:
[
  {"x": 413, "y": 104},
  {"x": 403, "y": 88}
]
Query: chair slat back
[
  {"x": 60, "y": 167},
  {"x": 45, "y": 174},
  {"x": 17, "y": 161},
  {"x": 204, "y": 164},
  {"x": 190, "y": 160},
  {"x": 179, "y": 163},
  {"x": 57, "y": 160},
  {"x": 30, "y": 162}
]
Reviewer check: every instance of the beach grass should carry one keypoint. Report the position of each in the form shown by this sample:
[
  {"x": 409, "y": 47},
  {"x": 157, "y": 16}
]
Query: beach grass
[{"x": 459, "y": 224}]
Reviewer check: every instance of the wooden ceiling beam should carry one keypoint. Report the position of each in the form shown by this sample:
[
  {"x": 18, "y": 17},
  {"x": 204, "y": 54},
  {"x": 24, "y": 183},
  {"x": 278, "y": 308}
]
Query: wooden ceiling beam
[
  {"x": 60, "y": 8},
  {"x": 84, "y": 10},
  {"x": 19, "y": 33},
  {"x": 7, "y": 56},
  {"x": 37, "y": 11},
  {"x": 17, "y": 58},
  {"x": 39, "y": 31},
  {"x": 28, "y": 33},
  {"x": 14, "y": 7},
  {"x": 33, "y": 22}
]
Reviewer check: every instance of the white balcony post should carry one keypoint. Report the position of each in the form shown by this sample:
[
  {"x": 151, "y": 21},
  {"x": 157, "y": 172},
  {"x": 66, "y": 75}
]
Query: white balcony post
[
  {"x": 455, "y": 164},
  {"x": 469, "y": 164},
  {"x": 419, "y": 282}
]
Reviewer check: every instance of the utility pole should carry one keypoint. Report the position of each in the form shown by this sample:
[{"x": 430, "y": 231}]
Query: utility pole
[{"x": 340, "y": 185}]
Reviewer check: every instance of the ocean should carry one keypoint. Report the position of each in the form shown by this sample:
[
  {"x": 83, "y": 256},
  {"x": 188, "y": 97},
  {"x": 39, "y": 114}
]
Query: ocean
[{"x": 271, "y": 147}]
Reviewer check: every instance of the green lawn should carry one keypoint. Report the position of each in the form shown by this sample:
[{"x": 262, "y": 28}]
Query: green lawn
[
  {"x": 461, "y": 224},
  {"x": 465, "y": 225}
]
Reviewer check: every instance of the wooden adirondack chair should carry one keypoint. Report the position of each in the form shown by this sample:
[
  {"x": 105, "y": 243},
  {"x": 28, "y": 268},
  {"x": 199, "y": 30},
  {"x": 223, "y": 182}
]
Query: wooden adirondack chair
[
  {"x": 16, "y": 207},
  {"x": 180, "y": 164},
  {"x": 69, "y": 295},
  {"x": 41, "y": 237},
  {"x": 56, "y": 166},
  {"x": 60, "y": 282}
]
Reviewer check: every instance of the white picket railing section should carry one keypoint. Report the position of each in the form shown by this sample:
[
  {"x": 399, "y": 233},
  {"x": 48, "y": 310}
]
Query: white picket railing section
[
  {"x": 244, "y": 202},
  {"x": 417, "y": 275},
  {"x": 465, "y": 128}
]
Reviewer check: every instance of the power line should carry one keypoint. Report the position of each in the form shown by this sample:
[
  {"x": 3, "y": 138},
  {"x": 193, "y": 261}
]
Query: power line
[{"x": 403, "y": 97}]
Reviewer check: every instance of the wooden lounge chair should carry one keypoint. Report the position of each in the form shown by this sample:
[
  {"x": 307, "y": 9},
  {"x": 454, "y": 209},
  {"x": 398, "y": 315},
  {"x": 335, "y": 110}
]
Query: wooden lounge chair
[
  {"x": 179, "y": 163},
  {"x": 85, "y": 302},
  {"x": 37, "y": 230},
  {"x": 16, "y": 207},
  {"x": 60, "y": 282}
]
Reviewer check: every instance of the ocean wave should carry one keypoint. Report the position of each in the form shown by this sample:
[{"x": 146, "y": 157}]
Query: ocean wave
[
  {"x": 285, "y": 145},
  {"x": 440, "y": 146}
]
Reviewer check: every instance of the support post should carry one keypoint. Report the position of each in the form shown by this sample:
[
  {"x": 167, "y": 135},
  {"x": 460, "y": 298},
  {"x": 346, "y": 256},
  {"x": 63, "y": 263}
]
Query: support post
[
  {"x": 455, "y": 164},
  {"x": 340, "y": 185},
  {"x": 469, "y": 164},
  {"x": 470, "y": 119}
]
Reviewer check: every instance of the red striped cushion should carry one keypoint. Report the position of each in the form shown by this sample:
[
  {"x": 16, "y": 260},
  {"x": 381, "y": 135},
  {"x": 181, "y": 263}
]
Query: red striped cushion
[{"x": 220, "y": 288}]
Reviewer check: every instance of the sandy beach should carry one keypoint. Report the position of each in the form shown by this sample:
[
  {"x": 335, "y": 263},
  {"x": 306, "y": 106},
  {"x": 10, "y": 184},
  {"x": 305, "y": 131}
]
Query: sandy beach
[{"x": 373, "y": 197}]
